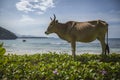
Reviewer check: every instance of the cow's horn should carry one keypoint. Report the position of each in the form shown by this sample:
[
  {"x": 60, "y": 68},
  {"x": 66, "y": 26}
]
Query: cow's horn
[{"x": 54, "y": 17}]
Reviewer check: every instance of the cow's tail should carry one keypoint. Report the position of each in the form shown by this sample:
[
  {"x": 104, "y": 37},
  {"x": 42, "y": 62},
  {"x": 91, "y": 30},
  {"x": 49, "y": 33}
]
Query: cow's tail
[{"x": 107, "y": 46}]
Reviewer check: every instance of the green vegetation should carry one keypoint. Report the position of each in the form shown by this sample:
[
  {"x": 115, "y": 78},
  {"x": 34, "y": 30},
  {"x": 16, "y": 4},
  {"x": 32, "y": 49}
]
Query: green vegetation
[
  {"x": 2, "y": 50},
  {"x": 52, "y": 66}
]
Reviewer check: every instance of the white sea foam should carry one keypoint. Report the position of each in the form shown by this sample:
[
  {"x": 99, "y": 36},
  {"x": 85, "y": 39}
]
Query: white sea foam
[{"x": 32, "y": 46}]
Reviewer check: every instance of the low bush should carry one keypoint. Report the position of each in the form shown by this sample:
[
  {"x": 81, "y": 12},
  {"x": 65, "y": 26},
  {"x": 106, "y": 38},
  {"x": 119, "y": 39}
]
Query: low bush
[
  {"x": 2, "y": 50},
  {"x": 53, "y": 66}
]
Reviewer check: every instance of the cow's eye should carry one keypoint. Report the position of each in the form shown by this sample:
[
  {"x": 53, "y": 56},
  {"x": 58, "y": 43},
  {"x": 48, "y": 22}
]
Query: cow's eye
[{"x": 50, "y": 24}]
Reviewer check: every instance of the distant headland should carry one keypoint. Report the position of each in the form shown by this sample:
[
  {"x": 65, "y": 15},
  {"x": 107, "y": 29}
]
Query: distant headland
[
  {"x": 34, "y": 37},
  {"x": 6, "y": 34}
]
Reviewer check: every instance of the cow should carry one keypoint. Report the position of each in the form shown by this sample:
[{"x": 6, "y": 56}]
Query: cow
[{"x": 73, "y": 31}]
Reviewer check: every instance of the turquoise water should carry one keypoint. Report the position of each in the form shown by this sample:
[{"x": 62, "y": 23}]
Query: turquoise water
[{"x": 33, "y": 45}]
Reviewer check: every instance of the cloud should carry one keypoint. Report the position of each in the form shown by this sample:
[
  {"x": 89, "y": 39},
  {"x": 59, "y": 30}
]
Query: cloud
[
  {"x": 24, "y": 6},
  {"x": 26, "y": 18},
  {"x": 38, "y": 6}
]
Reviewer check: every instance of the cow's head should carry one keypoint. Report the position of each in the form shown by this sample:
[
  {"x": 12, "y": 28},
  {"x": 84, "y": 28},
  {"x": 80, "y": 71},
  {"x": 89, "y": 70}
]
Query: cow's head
[{"x": 52, "y": 26}]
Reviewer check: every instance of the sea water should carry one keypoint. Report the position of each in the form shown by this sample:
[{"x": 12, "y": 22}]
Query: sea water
[{"x": 44, "y": 45}]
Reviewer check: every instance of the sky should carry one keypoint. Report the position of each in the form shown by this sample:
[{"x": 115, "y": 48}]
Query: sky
[{"x": 32, "y": 17}]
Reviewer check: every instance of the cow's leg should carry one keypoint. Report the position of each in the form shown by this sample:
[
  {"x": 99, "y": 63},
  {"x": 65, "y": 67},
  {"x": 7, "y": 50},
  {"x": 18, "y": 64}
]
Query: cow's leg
[
  {"x": 102, "y": 41},
  {"x": 103, "y": 47},
  {"x": 73, "y": 46}
]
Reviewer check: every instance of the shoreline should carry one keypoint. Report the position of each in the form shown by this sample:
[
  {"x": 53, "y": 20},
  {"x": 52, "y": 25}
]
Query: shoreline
[{"x": 57, "y": 52}]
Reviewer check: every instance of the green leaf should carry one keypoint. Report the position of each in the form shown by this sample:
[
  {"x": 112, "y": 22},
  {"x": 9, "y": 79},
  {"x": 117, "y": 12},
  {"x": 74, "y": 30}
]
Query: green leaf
[
  {"x": 1, "y": 44},
  {"x": 2, "y": 51}
]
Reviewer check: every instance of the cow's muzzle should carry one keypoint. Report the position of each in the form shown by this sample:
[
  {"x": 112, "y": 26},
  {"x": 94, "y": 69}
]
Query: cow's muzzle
[{"x": 46, "y": 32}]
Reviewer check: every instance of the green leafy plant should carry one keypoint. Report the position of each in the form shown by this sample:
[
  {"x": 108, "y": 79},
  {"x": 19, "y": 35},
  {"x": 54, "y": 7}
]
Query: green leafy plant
[
  {"x": 2, "y": 50},
  {"x": 53, "y": 66}
]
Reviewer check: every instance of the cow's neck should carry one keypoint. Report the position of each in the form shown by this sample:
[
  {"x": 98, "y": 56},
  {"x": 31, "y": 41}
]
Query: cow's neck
[{"x": 61, "y": 31}]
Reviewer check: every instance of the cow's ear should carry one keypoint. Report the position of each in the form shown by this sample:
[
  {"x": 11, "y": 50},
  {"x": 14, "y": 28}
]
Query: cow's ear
[{"x": 56, "y": 21}]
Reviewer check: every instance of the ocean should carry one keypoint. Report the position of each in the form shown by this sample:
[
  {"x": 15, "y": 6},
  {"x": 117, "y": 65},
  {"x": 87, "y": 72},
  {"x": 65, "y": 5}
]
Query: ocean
[{"x": 44, "y": 45}]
